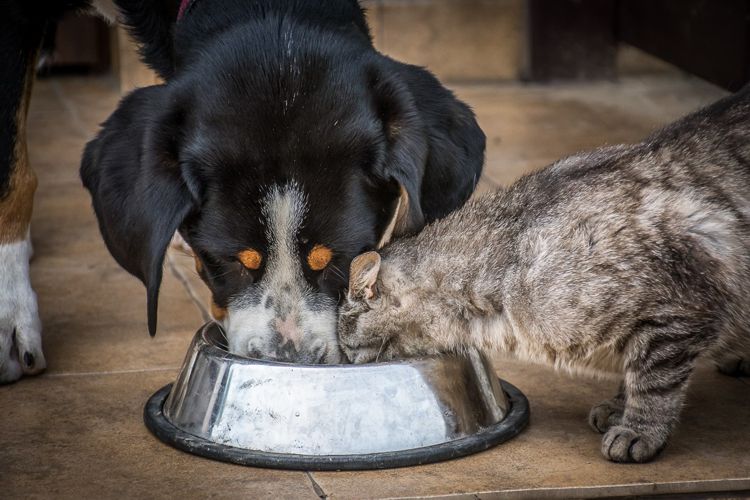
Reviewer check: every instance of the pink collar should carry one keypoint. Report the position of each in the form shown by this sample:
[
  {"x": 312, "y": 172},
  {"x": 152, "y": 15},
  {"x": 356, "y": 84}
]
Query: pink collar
[{"x": 184, "y": 6}]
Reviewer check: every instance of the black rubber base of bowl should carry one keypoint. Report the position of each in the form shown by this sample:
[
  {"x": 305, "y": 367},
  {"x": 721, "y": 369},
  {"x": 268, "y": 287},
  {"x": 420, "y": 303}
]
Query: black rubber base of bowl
[{"x": 513, "y": 423}]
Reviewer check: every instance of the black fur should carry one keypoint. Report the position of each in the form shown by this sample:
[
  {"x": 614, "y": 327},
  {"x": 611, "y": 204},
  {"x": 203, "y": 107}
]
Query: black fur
[
  {"x": 22, "y": 28},
  {"x": 261, "y": 93},
  {"x": 142, "y": 198}
]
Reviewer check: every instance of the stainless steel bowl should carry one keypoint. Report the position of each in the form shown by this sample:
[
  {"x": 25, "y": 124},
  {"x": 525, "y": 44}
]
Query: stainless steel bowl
[{"x": 322, "y": 417}]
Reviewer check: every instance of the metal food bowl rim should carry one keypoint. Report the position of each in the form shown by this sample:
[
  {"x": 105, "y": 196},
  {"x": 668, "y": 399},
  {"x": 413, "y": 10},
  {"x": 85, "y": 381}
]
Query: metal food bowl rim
[
  {"x": 514, "y": 422},
  {"x": 217, "y": 350}
]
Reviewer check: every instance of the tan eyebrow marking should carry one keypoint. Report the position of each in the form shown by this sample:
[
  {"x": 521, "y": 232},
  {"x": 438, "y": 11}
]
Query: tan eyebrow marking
[
  {"x": 319, "y": 257},
  {"x": 198, "y": 264},
  {"x": 250, "y": 258}
]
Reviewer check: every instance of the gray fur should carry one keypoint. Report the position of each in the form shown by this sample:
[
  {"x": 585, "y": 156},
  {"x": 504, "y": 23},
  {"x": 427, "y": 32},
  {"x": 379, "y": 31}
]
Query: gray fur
[{"x": 632, "y": 260}]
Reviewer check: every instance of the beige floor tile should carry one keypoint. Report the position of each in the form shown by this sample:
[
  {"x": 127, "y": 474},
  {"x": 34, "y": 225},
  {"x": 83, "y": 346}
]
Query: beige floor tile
[
  {"x": 557, "y": 456},
  {"x": 83, "y": 437},
  {"x": 182, "y": 267},
  {"x": 95, "y": 320},
  {"x": 530, "y": 126}
]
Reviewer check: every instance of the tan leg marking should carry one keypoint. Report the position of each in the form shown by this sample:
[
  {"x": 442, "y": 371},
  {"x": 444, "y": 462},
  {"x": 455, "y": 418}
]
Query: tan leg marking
[{"x": 16, "y": 206}]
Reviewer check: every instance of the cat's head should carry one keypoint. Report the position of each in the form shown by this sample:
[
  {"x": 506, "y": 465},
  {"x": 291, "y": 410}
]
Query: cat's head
[{"x": 380, "y": 319}]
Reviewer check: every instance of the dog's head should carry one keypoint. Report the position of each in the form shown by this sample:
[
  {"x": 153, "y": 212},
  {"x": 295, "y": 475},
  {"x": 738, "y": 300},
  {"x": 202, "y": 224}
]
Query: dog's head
[{"x": 278, "y": 169}]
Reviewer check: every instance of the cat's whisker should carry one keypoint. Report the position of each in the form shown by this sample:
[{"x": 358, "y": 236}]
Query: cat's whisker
[
  {"x": 336, "y": 271},
  {"x": 380, "y": 351}
]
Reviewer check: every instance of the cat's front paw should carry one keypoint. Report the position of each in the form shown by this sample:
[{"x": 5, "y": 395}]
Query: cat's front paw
[
  {"x": 623, "y": 444},
  {"x": 605, "y": 415}
]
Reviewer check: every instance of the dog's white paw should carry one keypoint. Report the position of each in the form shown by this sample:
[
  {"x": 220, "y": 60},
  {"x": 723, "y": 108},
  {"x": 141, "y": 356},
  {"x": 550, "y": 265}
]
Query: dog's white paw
[{"x": 20, "y": 327}]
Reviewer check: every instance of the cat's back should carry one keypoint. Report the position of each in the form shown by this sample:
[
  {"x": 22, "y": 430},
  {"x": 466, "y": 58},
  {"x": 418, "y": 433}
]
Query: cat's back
[
  {"x": 702, "y": 160},
  {"x": 621, "y": 231},
  {"x": 708, "y": 150}
]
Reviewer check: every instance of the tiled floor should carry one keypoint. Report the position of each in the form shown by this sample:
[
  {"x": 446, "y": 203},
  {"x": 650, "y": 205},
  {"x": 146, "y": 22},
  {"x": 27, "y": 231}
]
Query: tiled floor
[{"x": 76, "y": 430}]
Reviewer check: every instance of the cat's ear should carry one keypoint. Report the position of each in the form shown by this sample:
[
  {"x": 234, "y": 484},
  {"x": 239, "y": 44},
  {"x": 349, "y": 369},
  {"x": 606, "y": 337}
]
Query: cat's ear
[{"x": 363, "y": 274}]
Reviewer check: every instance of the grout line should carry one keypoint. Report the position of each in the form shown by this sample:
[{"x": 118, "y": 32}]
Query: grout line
[
  {"x": 318, "y": 489},
  {"x": 70, "y": 108},
  {"x": 627, "y": 490},
  {"x": 177, "y": 273},
  {"x": 112, "y": 372}
]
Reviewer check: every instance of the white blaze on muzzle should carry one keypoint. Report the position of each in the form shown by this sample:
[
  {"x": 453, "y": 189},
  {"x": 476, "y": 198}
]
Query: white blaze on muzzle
[{"x": 282, "y": 317}]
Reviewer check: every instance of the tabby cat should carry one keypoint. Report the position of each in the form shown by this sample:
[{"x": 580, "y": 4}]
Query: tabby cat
[{"x": 632, "y": 260}]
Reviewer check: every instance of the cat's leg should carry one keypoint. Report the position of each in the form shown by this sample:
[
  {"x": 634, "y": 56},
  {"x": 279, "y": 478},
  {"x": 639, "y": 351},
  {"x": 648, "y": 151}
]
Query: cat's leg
[
  {"x": 608, "y": 413},
  {"x": 656, "y": 380}
]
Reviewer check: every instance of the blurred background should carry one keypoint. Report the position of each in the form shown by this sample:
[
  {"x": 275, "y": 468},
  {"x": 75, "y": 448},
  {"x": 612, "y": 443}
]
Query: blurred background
[{"x": 481, "y": 41}]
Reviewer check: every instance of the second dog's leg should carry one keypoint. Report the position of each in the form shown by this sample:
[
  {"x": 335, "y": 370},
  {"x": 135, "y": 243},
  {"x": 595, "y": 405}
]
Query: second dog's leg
[{"x": 20, "y": 328}]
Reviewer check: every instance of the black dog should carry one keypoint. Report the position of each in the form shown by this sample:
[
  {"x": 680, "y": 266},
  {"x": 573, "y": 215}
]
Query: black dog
[{"x": 281, "y": 146}]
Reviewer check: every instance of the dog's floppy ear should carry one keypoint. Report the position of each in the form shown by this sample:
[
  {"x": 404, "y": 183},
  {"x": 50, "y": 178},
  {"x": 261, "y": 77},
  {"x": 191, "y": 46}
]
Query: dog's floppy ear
[
  {"x": 455, "y": 142},
  {"x": 406, "y": 151},
  {"x": 139, "y": 195},
  {"x": 435, "y": 145}
]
